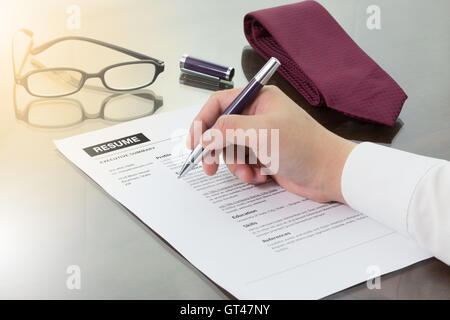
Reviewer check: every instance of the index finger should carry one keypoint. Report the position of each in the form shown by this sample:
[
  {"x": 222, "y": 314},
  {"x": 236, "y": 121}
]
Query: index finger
[{"x": 212, "y": 109}]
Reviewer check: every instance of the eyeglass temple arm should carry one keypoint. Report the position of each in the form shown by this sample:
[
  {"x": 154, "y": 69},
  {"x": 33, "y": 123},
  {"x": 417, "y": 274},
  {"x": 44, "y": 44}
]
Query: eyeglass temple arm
[
  {"x": 134, "y": 54},
  {"x": 18, "y": 72}
]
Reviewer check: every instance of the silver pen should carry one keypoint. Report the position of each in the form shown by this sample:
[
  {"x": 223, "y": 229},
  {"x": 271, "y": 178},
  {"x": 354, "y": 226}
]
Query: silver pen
[{"x": 245, "y": 97}]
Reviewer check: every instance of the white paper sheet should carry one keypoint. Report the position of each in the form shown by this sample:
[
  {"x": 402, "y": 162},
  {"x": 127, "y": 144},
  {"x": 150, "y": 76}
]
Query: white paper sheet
[{"x": 257, "y": 242}]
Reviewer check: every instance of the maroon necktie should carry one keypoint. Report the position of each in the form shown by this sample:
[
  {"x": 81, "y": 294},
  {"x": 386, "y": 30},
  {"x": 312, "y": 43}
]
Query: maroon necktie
[{"x": 323, "y": 63}]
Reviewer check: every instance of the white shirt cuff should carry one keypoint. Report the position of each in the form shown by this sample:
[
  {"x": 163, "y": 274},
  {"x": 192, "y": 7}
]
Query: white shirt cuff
[{"x": 380, "y": 181}]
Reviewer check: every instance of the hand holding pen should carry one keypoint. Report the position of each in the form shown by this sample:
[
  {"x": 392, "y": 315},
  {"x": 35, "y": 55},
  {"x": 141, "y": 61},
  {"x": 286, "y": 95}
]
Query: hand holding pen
[
  {"x": 245, "y": 98},
  {"x": 311, "y": 158}
]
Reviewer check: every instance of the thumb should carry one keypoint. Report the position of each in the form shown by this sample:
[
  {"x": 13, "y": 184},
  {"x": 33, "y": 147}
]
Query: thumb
[{"x": 233, "y": 129}]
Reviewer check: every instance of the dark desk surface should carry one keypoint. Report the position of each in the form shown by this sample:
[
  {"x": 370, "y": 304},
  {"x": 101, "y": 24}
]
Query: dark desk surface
[{"x": 51, "y": 216}]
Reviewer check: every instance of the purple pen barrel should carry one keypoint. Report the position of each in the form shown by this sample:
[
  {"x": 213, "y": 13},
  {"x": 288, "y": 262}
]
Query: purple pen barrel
[
  {"x": 248, "y": 94},
  {"x": 251, "y": 90},
  {"x": 205, "y": 68},
  {"x": 245, "y": 98}
]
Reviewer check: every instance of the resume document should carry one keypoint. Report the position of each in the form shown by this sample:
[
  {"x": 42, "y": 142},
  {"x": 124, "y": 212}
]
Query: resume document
[{"x": 256, "y": 242}]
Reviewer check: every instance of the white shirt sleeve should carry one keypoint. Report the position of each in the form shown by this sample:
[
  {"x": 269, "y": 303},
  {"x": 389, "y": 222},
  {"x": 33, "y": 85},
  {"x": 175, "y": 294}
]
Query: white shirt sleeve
[{"x": 406, "y": 192}]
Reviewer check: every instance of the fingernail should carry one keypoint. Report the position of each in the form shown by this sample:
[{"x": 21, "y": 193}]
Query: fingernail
[{"x": 239, "y": 173}]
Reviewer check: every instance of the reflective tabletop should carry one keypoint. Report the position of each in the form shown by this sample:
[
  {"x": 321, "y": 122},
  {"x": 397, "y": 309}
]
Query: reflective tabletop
[{"x": 55, "y": 221}]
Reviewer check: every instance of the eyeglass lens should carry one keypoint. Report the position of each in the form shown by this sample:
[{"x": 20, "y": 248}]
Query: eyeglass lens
[
  {"x": 130, "y": 76},
  {"x": 51, "y": 83}
]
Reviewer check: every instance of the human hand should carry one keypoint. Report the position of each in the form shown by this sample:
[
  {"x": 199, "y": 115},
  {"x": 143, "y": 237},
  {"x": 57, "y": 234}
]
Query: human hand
[{"x": 310, "y": 158}]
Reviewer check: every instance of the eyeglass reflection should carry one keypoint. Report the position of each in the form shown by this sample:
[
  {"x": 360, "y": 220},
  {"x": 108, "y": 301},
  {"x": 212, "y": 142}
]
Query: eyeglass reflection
[{"x": 64, "y": 112}]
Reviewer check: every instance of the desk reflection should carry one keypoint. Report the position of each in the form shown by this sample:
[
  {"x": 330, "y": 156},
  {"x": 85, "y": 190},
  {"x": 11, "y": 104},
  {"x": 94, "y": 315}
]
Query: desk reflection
[
  {"x": 58, "y": 113},
  {"x": 204, "y": 83},
  {"x": 333, "y": 120}
]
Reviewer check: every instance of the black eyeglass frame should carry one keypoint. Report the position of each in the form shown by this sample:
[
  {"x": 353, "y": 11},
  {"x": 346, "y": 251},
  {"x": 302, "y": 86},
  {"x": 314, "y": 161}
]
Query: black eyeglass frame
[{"x": 23, "y": 80}]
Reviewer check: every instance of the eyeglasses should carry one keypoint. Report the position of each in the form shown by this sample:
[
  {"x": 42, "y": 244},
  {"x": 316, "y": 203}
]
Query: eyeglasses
[{"x": 60, "y": 82}]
